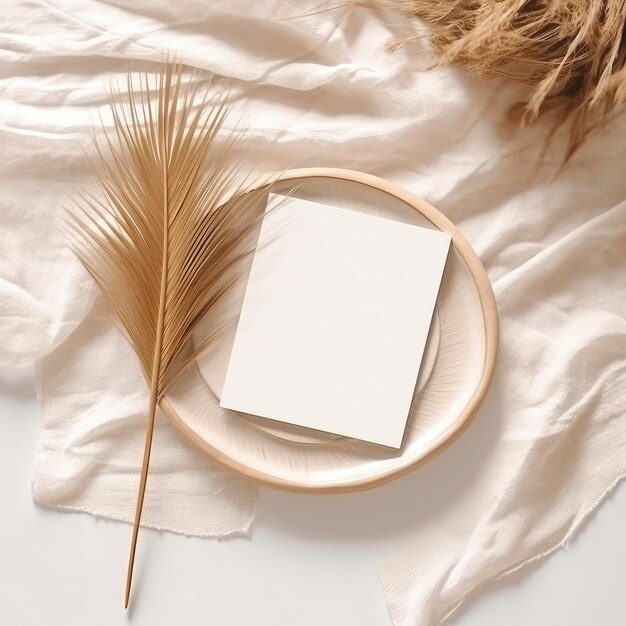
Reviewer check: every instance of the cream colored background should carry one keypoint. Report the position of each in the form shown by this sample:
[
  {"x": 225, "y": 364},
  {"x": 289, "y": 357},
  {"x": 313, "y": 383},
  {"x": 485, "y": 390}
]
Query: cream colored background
[
  {"x": 320, "y": 90},
  {"x": 311, "y": 562}
]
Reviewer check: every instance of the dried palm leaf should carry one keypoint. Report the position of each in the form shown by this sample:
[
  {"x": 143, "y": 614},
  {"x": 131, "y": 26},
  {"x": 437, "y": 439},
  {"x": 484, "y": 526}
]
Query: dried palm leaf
[
  {"x": 163, "y": 239},
  {"x": 571, "y": 52}
]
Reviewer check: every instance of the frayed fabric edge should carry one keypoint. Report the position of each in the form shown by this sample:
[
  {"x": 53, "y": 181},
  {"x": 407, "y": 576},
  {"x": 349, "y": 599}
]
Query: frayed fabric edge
[
  {"x": 242, "y": 533},
  {"x": 539, "y": 557}
]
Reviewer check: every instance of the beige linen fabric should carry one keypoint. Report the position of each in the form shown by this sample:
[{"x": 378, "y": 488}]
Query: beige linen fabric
[{"x": 320, "y": 91}]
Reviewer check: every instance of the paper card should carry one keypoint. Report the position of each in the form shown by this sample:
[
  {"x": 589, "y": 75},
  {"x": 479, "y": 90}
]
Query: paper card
[{"x": 335, "y": 320}]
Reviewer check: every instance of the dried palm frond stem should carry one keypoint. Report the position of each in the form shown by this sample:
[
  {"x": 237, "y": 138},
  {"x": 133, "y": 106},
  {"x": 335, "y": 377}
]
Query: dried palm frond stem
[
  {"x": 571, "y": 52},
  {"x": 163, "y": 236}
]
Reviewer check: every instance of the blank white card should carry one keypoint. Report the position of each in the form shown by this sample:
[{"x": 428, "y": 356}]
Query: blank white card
[{"x": 335, "y": 320}]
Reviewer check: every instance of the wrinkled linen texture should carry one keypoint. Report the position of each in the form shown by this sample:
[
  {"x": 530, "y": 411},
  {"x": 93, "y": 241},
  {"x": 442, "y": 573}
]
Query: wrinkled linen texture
[{"x": 318, "y": 89}]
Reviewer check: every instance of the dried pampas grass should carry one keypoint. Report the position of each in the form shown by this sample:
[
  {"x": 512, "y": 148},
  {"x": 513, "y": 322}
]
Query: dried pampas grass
[{"x": 571, "y": 52}]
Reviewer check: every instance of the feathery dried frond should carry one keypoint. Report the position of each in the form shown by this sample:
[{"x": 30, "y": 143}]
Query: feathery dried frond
[{"x": 164, "y": 238}]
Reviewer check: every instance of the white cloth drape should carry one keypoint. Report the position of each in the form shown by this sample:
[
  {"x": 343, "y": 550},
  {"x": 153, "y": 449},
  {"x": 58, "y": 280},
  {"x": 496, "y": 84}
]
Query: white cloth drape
[{"x": 321, "y": 91}]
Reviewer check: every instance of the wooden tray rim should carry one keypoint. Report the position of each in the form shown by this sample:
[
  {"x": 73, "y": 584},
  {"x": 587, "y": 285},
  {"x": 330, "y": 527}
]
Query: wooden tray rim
[{"x": 491, "y": 324}]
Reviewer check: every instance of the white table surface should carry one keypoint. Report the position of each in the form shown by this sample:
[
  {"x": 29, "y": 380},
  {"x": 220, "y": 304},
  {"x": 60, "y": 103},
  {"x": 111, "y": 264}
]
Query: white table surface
[{"x": 310, "y": 561}]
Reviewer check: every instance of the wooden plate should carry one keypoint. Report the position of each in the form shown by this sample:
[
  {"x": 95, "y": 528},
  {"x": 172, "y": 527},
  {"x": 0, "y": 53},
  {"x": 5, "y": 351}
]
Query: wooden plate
[{"x": 454, "y": 378}]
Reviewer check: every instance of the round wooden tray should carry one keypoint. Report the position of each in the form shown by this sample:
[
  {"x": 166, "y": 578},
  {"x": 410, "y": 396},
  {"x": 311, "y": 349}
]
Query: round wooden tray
[{"x": 454, "y": 378}]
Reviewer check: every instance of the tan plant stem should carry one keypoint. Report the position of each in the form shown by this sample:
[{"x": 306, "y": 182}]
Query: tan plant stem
[{"x": 154, "y": 388}]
